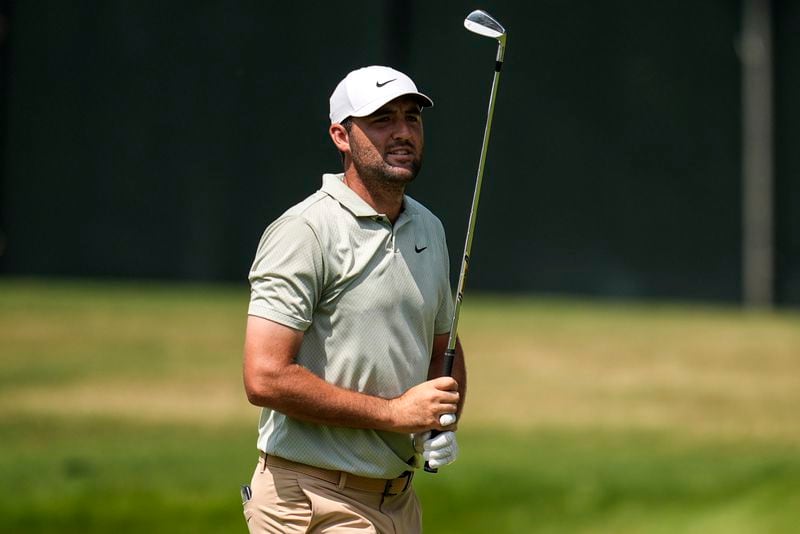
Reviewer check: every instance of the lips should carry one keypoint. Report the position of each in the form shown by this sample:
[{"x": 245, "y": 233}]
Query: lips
[{"x": 401, "y": 152}]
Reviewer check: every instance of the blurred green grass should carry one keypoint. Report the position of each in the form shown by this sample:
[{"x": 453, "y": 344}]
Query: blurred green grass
[{"x": 121, "y": 409}]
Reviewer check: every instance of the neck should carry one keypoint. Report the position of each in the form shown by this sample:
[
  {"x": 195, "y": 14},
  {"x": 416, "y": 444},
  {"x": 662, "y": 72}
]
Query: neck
[{"x": 385, "y": 198}]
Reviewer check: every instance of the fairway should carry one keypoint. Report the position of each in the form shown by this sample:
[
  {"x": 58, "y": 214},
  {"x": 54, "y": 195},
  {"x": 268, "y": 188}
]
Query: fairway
[{"x": 122, "y": 409}]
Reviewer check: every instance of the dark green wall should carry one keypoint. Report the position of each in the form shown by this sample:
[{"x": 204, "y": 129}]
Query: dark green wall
[
  {"x": 614, "y": 164},
  {"x": 158, "y": 139},
  {"x": 787, "y": 160}
]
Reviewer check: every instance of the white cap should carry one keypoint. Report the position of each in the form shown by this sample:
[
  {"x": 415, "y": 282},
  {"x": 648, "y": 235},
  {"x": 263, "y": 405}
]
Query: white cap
[{"x": 365, "y": 90}]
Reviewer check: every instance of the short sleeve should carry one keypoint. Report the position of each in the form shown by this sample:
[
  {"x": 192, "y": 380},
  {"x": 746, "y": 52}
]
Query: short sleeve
[{"x": 286, "y": 278}]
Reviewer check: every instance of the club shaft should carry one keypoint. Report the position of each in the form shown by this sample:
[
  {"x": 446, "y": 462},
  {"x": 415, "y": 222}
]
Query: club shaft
[
  {"x": 450, "y": 353},
  {"x": 473, "y": 215}
]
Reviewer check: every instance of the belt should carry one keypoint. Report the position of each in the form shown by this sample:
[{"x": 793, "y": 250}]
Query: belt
[{"x": 388, "y": 487}]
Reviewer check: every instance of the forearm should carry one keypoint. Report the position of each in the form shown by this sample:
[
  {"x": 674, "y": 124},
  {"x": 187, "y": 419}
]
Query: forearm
[
  {"x": 297, "y": 392},
  {"x": 274, "y": 380}
]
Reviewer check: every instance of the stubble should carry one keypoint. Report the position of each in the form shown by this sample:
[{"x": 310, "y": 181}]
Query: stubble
[{"x": 377, "y": 172}]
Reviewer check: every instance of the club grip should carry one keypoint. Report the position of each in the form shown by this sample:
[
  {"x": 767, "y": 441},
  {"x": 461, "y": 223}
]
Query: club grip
[
  {"x": 447, "y": 370},
  {"x": 447, "y": 362},
  {"x": 427, "y": 467}
]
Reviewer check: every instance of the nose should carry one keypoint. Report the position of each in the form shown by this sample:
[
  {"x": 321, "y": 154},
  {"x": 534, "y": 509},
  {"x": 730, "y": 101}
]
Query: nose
[{"x": 402, "y": 130}]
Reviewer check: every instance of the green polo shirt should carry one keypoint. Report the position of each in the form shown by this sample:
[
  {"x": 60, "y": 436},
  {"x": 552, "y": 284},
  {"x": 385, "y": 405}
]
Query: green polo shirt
[{"x": 369, "y": 297}]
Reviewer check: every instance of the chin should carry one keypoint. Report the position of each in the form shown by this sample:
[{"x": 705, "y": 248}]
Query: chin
[{"x": 403, "y": 175}]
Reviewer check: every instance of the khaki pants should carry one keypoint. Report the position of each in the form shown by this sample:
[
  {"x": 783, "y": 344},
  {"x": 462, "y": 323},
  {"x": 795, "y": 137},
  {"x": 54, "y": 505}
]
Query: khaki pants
[{"x": 286, "y": 501}]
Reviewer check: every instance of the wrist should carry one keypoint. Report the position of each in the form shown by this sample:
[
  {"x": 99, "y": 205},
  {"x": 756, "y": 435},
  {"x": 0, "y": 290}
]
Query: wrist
[{"x": 387, "y": 411}]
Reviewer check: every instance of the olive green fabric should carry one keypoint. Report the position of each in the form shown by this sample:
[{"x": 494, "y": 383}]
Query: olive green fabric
[{"x": 369, "y": 297}]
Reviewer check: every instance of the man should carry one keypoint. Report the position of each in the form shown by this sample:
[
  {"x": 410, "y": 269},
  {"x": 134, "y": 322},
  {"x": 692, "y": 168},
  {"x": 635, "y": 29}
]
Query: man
[{"x": 349, "y": 317}]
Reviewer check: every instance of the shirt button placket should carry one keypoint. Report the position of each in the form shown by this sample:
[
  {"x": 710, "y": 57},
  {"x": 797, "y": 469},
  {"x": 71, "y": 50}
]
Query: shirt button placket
[{"x": 384, "y": 222}]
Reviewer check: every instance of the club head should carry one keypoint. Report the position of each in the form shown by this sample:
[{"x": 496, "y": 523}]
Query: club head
[{"x": 482, "y": 23}]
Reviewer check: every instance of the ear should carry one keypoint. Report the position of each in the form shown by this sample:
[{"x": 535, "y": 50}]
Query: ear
[{"x": 340, "y": 137}]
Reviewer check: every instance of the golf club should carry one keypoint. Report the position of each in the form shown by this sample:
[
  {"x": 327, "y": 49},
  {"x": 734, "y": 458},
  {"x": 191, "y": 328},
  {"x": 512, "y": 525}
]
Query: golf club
[{"x": 482, "y": 23}]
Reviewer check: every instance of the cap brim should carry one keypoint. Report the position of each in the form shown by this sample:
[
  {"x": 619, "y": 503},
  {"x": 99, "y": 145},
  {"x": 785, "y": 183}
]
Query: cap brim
[{"x": 373, "y": 106}]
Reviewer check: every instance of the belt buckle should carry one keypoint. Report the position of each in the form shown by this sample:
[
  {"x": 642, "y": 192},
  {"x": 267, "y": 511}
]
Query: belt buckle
[{"x": 408, "y": 475}]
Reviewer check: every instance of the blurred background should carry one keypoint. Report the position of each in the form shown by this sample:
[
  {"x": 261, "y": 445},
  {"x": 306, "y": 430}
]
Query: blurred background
[
  {"x": 157, "y": 140},
  {"x": 631, "y": 319}
]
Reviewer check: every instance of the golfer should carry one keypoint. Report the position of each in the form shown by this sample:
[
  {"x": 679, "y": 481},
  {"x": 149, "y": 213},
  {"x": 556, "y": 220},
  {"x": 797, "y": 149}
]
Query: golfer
[{"x": 349, "y": 316}]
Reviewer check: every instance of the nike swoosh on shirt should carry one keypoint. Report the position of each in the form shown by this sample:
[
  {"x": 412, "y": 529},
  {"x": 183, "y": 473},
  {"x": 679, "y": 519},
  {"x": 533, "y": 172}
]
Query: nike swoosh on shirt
[
  {"x": 379, "y": 84},
  {"x": 418, "y": 249}
]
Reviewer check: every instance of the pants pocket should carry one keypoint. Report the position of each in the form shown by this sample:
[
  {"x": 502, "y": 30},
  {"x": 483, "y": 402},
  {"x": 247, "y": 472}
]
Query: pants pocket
[{"x": 277, "y": 503}]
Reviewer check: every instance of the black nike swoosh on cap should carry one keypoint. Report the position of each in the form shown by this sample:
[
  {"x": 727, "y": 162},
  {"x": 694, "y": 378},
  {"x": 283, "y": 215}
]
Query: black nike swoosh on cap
[{"x": 379, "y": 84}]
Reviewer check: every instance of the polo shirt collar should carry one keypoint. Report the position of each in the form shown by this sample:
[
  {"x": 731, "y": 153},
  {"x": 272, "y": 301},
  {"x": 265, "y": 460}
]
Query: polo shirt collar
[{"x": 333, "y": 185}]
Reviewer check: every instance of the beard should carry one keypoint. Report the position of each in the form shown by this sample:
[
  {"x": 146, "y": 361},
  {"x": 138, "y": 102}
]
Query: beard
[{"x": 372, "y": 168}]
